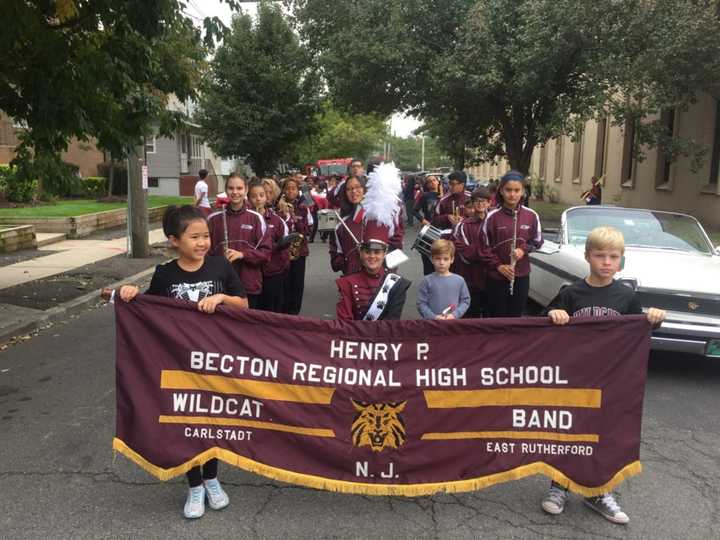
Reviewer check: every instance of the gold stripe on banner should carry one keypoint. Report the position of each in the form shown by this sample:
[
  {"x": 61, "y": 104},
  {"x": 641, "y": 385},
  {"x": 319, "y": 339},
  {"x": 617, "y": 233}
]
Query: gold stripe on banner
[
  {"x": 530, "y": 435},
  {"x": 364, "y": 488},
  {"x": 300, "y": 430},
  {"x": 184, "y": 380},
  {"x": 499, "y": 397}
]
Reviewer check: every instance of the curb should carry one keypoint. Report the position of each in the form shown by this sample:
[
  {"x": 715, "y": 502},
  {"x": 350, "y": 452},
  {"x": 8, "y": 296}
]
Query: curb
[{"x": 49, "y": 316}]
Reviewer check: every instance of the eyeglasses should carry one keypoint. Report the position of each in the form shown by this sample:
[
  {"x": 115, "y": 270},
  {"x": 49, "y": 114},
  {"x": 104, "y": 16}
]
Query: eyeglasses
[{"x": 356, "y": 188}]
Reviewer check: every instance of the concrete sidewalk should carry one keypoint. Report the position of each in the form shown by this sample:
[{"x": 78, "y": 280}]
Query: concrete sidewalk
[
  {"x": 58, "y": 258},
  {"x": 66, "y": 255}
]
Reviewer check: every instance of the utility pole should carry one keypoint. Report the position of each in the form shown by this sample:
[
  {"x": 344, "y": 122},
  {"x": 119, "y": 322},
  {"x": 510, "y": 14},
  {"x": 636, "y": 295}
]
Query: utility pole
[
  {"x": 139, "y": 242},
  {"x": 422, "y": 153}
]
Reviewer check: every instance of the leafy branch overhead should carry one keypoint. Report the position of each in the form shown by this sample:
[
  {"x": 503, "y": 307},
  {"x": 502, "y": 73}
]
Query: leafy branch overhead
[
  {"x": 261, "y": 95},
  {"x": 101, "y": 68},
  {"x": 507, "y": 75}
]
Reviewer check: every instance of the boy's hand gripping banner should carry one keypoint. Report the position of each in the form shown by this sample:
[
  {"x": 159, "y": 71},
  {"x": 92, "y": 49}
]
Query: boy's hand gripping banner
[{"x": 381, "y": 408}]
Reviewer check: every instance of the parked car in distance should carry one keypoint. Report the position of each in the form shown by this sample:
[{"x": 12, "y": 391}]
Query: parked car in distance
[{"x": 669, "y": 261}]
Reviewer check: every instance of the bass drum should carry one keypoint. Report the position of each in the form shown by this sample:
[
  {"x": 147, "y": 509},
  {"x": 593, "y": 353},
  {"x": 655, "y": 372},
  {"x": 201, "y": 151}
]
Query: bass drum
[
  {"x": 328, "y": 220},
  {"x": 427, "y": 235}
]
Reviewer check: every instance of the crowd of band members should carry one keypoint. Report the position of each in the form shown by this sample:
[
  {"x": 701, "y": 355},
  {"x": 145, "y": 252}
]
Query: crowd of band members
[{"x": 263, "y": 213}]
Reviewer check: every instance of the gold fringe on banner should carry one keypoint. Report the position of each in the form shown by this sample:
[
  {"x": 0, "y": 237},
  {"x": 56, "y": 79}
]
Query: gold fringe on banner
[{"x": 405, "y": 490}]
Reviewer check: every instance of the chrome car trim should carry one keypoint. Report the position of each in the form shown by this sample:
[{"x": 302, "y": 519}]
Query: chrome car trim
[
  {"x": 678, "y": 345},
  {"x": 555, "y": 270}
]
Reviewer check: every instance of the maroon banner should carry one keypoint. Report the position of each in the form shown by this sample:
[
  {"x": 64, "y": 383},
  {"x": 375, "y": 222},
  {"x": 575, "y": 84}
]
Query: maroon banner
[{"x": 387, "y": 407}]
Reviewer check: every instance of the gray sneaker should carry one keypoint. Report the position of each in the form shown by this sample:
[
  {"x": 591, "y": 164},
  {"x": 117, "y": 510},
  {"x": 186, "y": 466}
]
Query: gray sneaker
[
  {"x": 607, "y": 506},
  {"x": 554, "y": 501}
]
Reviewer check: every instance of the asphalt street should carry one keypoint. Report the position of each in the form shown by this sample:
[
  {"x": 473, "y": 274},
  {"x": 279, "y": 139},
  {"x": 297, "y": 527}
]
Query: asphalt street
[{"x": 60, "y": 479}]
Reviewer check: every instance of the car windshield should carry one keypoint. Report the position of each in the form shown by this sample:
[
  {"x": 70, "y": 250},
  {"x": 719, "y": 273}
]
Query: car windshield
[{"x": 641, "y": 228}]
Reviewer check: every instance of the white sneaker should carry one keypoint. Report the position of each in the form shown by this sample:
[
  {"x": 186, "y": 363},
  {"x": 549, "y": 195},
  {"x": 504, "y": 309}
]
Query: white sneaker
[
  {"x": 608, "y": 507},
  {"x": 217, "y": 498},
  {"x": 195, "y": 503},
  {"x": 554, "y": 501}
]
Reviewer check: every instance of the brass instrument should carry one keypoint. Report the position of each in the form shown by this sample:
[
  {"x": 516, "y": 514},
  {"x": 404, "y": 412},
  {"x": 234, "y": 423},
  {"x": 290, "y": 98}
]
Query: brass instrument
[
  {"x": 295, "y": 246},
  {"x": 456, "y": 211},
  {"x": 513, "y": 246}
]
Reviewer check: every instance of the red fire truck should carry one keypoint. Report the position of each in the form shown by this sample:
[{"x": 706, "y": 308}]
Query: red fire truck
[{"x": 328, "y": 167}]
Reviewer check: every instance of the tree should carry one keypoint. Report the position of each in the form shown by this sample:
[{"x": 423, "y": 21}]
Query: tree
[
  {"x": 407, "y": 153},
  {"x": 507, "y": 75},
  {"x": 260, "y": 98},
  {"x": 97, "y": 68},
  {"x": 341, "y": 134}
]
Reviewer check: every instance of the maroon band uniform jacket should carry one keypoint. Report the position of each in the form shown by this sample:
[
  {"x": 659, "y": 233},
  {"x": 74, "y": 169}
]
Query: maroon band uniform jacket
[
  {"x": 247, "y": 232},
  {"x": 277, "y": 230},
  {"x": 497, "y": 234},
  {"x": 358, "y": 290},
  {"x": 469, "y": 261},
  {"x": 444, "y": 208}
]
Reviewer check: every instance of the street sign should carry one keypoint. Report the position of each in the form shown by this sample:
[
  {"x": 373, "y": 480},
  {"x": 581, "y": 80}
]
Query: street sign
[{"x": 144, "y": 176}]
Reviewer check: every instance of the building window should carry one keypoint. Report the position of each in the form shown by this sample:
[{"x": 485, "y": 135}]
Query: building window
[
  {"x": 712, "y": 185},
  {"x": 663, "y": 175},
  {"x": 150, "y": 145},
  {"x": 602, "y": 127},
  {"x": 196, "y": 147},
  {"x": 153, "y": 181},
  {"x": 577, "y": 160},
  {"x": 629, "y": 160},
  {"x": 558, "y": 158}
]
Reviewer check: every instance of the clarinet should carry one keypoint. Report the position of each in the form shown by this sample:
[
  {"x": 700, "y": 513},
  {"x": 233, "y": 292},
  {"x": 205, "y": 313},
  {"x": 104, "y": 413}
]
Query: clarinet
[{"x": 513, "y": 246}]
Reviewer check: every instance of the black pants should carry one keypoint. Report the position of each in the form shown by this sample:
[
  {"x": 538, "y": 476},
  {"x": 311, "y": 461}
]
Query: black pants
[
  {"x": 273, "y": 296},
  {"x": 499, "y": 301},
  {"x": 428, "y": 267},
  {"x": 314, "y": 227},
  {"x": 477, "y": 305},
  {"x": 409, "y": 206},
  {"x": 294, "y": 287},
  {"x": 253, "y": 301},
  {"x": 209, "y": 471}
]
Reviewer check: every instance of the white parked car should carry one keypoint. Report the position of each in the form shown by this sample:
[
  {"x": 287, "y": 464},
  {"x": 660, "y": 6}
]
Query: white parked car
[{"x": 669, "y": 260}]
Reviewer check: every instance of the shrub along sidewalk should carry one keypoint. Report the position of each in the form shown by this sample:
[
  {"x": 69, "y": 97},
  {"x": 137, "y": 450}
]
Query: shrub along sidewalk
[{"x": 79, "y": 207}]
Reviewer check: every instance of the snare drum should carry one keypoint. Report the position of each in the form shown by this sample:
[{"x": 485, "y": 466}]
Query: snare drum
[
  {"x": 328, "y": 220},
  {"x": 427, "y": 235}
]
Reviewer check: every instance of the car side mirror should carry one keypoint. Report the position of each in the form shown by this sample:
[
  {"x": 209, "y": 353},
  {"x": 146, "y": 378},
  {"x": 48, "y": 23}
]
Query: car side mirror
[{"x": 717, "y": 250}]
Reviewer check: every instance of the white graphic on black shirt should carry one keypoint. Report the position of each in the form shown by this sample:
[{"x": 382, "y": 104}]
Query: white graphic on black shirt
[
  {"x": 595, "y": 311},
  {"x": 193, "y": 292}
]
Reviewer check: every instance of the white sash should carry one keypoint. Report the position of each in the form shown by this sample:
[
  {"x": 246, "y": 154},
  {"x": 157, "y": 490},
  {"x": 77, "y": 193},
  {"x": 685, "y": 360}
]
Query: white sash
[{"x": 380, "y": 301}]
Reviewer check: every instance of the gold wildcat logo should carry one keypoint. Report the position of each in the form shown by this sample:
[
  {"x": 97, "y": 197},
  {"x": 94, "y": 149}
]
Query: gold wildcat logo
[{"x": 378, "y": 425}]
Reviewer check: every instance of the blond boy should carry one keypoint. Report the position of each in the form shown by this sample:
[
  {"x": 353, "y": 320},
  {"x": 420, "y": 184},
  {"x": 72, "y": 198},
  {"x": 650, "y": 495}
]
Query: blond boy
[{"x": 598, "y": 295}]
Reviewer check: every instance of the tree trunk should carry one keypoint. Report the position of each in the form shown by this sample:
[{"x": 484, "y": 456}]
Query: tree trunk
[
  {"x": 459, "y": 158},
  {"x": 519, "y": 156},
  {"x": 111, "y": 177},
  {"x": 137, "y": 207}
]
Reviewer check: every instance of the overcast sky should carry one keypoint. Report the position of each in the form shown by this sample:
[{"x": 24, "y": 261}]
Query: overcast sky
[{"x": 401, "y": 125}]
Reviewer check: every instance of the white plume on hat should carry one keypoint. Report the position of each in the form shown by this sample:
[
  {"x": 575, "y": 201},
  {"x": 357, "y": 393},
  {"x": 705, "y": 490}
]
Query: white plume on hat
[{"x": 382, "y": 199}]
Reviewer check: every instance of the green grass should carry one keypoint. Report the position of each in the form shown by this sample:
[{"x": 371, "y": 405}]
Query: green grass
[
  {"x": 78, "y": 207},
  {"x": 548, "y": 211}
]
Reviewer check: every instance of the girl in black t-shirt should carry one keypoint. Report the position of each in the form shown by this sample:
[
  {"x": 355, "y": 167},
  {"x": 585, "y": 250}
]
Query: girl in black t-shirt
[{"x": 209, "y": 281}]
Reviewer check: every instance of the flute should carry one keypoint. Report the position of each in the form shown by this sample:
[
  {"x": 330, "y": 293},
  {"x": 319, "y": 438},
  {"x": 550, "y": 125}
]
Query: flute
[
  {"x": 225, "y": 228},
  {"x": 513, "y": 246}
]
